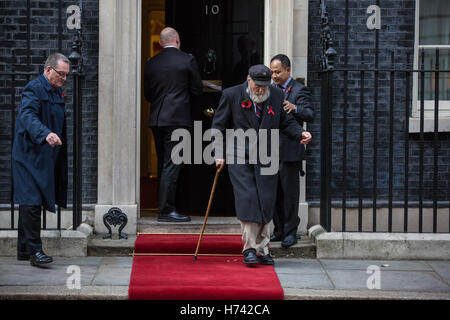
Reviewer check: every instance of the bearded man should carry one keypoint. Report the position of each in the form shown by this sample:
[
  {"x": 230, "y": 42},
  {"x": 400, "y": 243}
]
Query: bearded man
[{"x": 254, "y": 105}]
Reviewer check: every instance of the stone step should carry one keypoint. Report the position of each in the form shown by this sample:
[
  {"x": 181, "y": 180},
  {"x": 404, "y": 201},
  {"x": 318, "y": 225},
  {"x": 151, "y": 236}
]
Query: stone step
[
  {"x": 213, "y": 225},
  {"x": 98, "y": 246}
]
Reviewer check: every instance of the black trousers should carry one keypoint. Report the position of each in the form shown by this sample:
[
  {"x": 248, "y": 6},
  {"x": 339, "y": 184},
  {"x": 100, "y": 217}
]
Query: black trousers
[
  {"x": 168, "y": 172},
  {"x": 29, "y": 230},
  {"x": 286, "y": 218}
]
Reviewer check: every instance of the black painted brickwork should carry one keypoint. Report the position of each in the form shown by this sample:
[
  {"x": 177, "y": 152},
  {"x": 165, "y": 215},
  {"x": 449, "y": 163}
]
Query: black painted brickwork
[
  {"x": 44, "y": 39},
  {"x": 397, "y": 35}
]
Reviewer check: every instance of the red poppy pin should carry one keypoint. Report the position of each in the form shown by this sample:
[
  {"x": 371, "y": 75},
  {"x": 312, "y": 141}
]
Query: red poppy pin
[
  {"x": 246, "y": 104},
  {"x": 270, "y": 110},
  {"x": 288, "y": 89},
  {"x": 63, "y": 94}
]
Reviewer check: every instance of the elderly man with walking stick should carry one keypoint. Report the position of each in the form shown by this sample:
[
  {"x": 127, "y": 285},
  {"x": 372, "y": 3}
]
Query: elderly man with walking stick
[{"x": 254, "y": 105}]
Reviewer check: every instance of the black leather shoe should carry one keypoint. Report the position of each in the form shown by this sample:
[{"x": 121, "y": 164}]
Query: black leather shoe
[
  {"x": 289, "y": 241},
  {"x": 250, "y": 257},
  {"x": 274, "y": 238},
  {"x": 21, "y": 256},
  {"x": 266, "y": 260},
  {"x": 173, "y": 217},
  {"x": 40, "y": 258}
]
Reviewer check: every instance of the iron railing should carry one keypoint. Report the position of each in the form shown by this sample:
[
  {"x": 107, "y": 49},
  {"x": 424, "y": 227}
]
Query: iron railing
[{"x": 342, "y": 188}]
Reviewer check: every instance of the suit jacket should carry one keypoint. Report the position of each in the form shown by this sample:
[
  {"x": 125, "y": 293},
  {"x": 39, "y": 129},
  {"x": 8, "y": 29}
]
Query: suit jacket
[
  {"x": 40, "y": 171},
  {"x": 254, "y": 201},
  {"x": 299, "y": 95},
  {"x": 170, "y": 79}
]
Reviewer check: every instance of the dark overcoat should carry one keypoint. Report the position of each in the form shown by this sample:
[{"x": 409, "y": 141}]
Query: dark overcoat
[
  {"x": 299, "y": 95},
  {"x": 254, "y": 193},
  {"x": 40, "y": 171}
]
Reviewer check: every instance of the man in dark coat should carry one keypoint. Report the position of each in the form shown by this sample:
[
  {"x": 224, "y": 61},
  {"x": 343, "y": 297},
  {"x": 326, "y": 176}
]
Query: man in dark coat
[
  {"x": 297, "y": 101},
  {"x": 254, "y": 106},
  {"x": 170, "y": 79},
  {"x": 39, "y": 156}
]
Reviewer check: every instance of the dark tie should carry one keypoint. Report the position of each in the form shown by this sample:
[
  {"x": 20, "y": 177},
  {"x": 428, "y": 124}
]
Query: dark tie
[{"x": 258, "y": 110}]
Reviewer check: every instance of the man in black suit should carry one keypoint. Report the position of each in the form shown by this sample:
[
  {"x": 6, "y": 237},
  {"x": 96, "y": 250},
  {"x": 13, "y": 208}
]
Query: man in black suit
[
  {"x": 171, "y": 78},
  {"x": 252, "y": 107},
  {"x": 297, "y": 102}
]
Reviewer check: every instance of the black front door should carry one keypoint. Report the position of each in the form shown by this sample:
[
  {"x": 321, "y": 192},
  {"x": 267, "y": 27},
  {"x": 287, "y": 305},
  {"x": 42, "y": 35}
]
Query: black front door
[{"x": 226, "y": 37}]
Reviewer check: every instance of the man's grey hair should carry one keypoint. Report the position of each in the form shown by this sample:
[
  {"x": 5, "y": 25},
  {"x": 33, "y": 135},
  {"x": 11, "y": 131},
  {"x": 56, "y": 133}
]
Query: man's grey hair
[{"x": 54, "y": 58}]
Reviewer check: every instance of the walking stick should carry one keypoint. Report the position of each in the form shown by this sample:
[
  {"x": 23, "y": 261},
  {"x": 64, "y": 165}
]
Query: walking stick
[{"x": 207, "y": 213}]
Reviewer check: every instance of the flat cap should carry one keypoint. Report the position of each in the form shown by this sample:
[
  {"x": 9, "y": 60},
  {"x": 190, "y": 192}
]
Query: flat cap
[{"x": 260, "y": 74}]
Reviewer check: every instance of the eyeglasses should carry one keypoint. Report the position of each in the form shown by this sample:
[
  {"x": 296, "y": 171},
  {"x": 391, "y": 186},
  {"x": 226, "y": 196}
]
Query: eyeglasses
[{"x": 61, "y": 73}]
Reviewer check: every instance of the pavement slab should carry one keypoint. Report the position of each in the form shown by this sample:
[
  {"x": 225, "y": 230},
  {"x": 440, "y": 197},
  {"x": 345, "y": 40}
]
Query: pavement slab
[
  {"x": 383, "y": 264},
  {"x": 114, "y": 271},
  {"x": 295, "y": 266},
  {"x": 389, "y": 280},
  {"x": 305, "y": 281},
  {"x": 442, "y": 268},
  {"x": 21, "y": 273}
]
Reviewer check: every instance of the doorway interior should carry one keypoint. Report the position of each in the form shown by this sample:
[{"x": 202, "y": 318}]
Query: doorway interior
[{"x": 226, "y": 37}]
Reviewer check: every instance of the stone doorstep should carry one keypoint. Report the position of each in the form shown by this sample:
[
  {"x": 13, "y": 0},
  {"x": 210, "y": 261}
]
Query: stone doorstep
[
  {"x": 213, "y": 225},
  {"x": 61, "y": 243},
  {"x": 98, "y": 246}
]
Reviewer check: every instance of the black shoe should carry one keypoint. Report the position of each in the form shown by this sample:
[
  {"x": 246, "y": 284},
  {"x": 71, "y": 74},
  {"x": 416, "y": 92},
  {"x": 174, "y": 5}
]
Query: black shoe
[
  {"x": 173, "y": 217},
  {"x": 40, "y": 258},
  {"x": 289, "y": 241},
  {"x": 21, "y": 256},
  {"x": 250, "y": 257},
  {"x": 266, "y": 260},
  {"x": 274, "y": 238}
]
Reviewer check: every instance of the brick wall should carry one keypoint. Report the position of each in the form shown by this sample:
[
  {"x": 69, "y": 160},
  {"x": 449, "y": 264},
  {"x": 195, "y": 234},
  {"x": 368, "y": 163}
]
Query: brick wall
[
  {"x": 396, "y": 35},
  {"x": 44, "y": 38}
]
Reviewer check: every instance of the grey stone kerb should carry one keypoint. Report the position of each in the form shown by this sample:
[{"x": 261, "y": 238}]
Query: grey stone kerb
[{"x": 391, "y": 246}]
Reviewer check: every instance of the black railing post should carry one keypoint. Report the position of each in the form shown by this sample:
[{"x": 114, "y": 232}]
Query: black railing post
[
  {"x": 327, "y": 65},
  {"x": 406, "y": 137},
  {"x": 422, "y": 137},
  {"x": 361, "y": 144},
  {"x": 76, "y": 62},
  {"x": 13, "y": 118},
  {"x": 436, "y": 141},
  {"x": 391, "y": 140}
]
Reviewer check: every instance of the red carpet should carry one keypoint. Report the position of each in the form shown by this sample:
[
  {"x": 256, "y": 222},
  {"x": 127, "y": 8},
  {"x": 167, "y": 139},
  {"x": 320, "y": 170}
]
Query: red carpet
[{"x": 171, "y": 277}]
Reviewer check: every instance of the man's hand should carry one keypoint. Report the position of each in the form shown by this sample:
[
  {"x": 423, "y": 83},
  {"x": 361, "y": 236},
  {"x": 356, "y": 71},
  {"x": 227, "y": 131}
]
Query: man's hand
[
  {"x": 306, "y": 137},
  {"x": 220, "y": 163},
  {"x": 53, "y": 139},
  {"x": 288, "y": 107}
]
